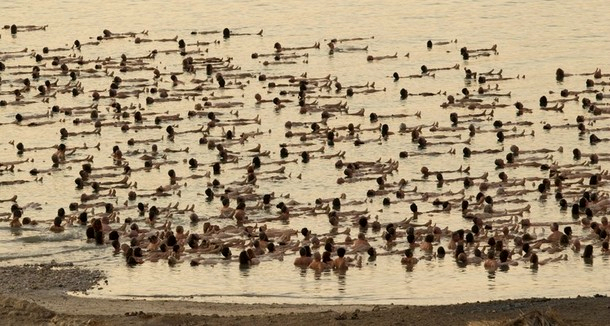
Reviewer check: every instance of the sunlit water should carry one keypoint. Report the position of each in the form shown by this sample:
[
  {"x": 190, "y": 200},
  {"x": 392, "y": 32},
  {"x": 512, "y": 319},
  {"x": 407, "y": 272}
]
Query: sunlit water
[{"x": 533, "y": 38}]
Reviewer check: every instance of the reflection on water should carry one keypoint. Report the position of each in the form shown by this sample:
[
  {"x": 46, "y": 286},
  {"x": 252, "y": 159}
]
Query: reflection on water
[{"x": 558, "y": 42}]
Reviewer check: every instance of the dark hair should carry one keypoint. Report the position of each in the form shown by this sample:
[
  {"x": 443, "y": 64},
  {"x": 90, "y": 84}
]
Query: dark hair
[
  {"x": 459, "y": 249},
  {"x": 99, "y": 237},
  {"x": 475, "y": 229},
  {"x": 308, "y": 251},
  {"x": 82, "y": 217},
  {"x": 469, "y": 238},
  {"x": 499, "y": 245},
  {"x": 363, "y": 221},
  {"x": 225, "y": 251},
  {"x": 90, "y": 232},
  {"x": 326, "y": 257},
  {"x": 371, "y": 251},
  {"x": 429, "y": 238},
  {"x": 271, "y": 247},
  {"x": 410, "y": 238},
  {"x": 131, "y": 261},
  {"x": 588, "y": 253},
  {"x": 491, "y": 242},
  {"x": 57, "y": 221},
  {"x": 440, "y": 252},
  {"x": 504, "y": 255},
  {"x": 113, "y": 235},
  {"x": 171, "y": 241},
  {"x": 244, "y": 259},
  {"x": 341, "y": 252}
]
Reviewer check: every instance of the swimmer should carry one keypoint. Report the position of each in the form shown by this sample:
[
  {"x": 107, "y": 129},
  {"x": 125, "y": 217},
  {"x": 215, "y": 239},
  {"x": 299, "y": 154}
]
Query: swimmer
[
  {"x": 317, "y": 263},
  {"x": 490, "y": 264},
  {"x": 377, "y": 58},
  {"x": 57, "y": 227},
  {"x": 408, "y": 258}
]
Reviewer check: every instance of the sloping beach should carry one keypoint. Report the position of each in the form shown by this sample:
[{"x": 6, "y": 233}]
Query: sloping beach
[{"x": 36, "y": 295}]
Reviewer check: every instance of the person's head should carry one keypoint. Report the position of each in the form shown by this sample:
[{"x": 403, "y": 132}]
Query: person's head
[
  {"x": 462, "y": 258},
  {"x": 271, "y": 247},
  {"x": 90, "y": 232},
  {"x": 171, "y": 241},
  {"x": 459, "y": 249},
  {"x": 99, "y": 237},
  {"x": 408, "y": 253},
  {"x": 341, "y": 252},
  {"x": 491, "y": 242},
  {"x": 469, "y": 238},
  {"x": 499, "y": 245},
  {"x": 225, "y": 252},
  {"x": 440, "y": 252},
  {"x": 372, "y": 253},
  {"x": 504, "y": 254},
  {"x": 588, "y": 253},
  {"x": 388, "y": 237},
  {"x": 326, "y": 257},
  {"x": 363, "y": 222},
  {"x": 429, "y": 238},
  {"x": 113, "y": 235},
  {"x": 131, "y": 260},
  {"x": 477, "y": 253},
  {"x": 411, "y": 238},
  {"x": 491, "y": 254},
  {"x": 475, "y": 229},
  {"x": 244, "y": 259}
]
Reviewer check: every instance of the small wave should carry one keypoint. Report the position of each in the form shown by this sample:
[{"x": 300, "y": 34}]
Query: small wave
[
  {"x": 298, "y": 296},
  {"x": 41, "y": 254},
  {"x": 55, "y": 237}
]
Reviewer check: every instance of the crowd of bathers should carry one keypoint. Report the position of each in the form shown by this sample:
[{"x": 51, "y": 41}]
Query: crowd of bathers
[{"x": 200, "y": 102}]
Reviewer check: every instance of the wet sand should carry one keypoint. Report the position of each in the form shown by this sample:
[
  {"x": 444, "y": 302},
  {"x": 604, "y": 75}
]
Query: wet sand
[{"x": 36, "y": 295}]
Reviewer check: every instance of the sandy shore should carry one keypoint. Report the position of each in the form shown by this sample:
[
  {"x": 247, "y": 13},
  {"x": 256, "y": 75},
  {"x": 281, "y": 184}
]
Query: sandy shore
[{"x": 34, "y": 295}]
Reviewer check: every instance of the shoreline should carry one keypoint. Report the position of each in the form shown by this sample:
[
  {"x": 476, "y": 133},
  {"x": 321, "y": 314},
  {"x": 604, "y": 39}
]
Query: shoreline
[
  {"x": 65, "y": 309},
  {"x": 49, "y": 302}
]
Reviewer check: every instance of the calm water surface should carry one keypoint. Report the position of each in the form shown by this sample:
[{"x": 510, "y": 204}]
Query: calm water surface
[{"x": 533, "y": 38}]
